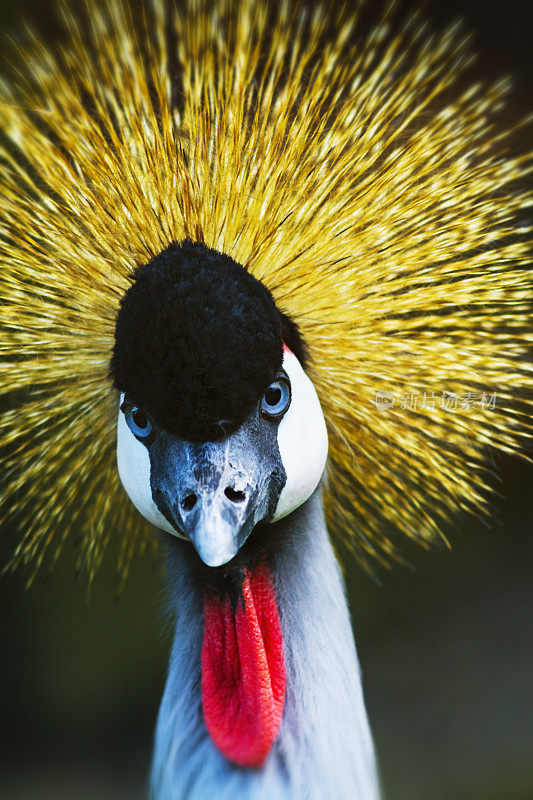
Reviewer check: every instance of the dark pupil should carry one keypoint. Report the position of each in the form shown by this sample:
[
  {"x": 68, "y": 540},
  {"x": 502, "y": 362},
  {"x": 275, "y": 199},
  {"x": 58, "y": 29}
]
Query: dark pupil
[
  {"x": 273, "y": 395},
  {"x": 139, "y": 418}
]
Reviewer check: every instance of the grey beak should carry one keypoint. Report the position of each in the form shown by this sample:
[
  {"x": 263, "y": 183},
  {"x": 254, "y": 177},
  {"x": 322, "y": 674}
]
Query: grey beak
[
  {"x": 218, "y": 512},
  {"x": 215, "y": 492}
]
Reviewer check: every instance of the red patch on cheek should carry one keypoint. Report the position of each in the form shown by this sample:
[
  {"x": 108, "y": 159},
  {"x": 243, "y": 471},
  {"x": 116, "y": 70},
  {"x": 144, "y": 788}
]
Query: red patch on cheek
[{"x": 243, "y": 671}]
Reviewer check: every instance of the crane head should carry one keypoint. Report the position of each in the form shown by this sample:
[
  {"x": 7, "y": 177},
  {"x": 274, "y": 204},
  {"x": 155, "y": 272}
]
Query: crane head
[{"x": 219, "y": 426}]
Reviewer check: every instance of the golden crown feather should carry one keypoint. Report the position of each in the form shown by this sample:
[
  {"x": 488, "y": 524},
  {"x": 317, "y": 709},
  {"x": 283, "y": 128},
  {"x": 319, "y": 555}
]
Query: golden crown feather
[{"x": 352, "y": 172}]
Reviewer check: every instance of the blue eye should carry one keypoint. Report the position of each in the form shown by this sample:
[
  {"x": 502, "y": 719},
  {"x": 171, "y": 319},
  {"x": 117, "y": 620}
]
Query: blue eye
[
  {"x": 137, "y": 422},
  {"x": 276, "y": 399}
]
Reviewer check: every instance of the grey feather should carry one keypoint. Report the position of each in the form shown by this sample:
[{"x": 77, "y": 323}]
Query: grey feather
[{"x": 324, "y": 748}]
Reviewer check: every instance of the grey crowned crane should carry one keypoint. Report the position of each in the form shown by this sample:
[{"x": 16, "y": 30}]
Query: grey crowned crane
[
  {"x": 222, "y": 443},
  {"x": 292, "y": 256}
]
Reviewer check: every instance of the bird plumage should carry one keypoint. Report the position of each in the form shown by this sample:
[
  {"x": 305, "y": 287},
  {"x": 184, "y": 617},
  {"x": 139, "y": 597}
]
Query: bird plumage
[
  {"x": 353, "y": 173},
  {"x": 324, "y": 747},
  {"x": 377, "y": 201}
]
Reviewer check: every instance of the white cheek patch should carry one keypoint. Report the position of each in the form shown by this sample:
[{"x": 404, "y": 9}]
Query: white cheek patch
[
  {"x": 134, "y": 469},
  {"x": 302, "y": 440}
]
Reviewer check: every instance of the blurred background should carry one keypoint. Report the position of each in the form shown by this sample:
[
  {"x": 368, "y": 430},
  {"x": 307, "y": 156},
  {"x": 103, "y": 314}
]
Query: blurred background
[{"x": 446, "y": 644}]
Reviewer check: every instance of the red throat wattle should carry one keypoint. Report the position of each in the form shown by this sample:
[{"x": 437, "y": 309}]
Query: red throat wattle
[{"x": 243, "y": 671}]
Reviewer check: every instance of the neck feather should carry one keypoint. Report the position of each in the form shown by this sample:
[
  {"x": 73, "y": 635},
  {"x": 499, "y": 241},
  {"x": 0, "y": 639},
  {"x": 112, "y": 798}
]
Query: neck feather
[{"x": 324, "y": 744}]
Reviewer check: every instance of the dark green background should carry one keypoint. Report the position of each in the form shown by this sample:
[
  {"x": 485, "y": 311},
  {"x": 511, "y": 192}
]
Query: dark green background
[{"x": 446, "y": 646}]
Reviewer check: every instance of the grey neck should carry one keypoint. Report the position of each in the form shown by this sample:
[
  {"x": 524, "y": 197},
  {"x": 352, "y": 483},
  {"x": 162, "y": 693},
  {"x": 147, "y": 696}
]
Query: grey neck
[{"x": 324, "y": 747}]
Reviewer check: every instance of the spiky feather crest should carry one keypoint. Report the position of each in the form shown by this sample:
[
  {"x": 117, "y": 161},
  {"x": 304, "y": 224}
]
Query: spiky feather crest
[{"x": 350, "y": 172}]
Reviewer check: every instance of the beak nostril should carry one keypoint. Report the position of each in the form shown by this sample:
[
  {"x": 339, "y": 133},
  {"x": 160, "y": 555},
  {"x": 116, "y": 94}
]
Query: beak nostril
[
  {"x": 234, "y": 495},
  {"x": 189, "y": 502}
]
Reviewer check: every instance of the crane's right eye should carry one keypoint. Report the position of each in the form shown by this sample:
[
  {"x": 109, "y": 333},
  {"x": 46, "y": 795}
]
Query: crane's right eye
[
  {"x": 138, "y": 422},
  {"x": 276, "y": 399}
]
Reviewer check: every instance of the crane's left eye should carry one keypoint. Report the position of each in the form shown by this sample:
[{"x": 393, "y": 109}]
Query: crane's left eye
[
  {"x": 138, "y": 422},
  {"x": 276, "y": 399}
]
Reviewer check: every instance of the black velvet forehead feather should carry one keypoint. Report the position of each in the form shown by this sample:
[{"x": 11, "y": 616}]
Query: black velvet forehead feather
[{"x": 198, "y": 340}]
